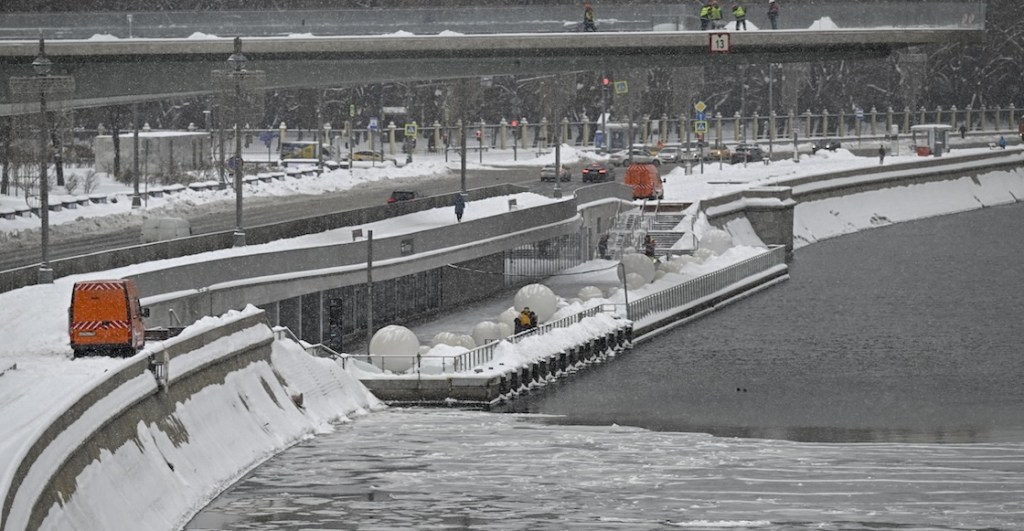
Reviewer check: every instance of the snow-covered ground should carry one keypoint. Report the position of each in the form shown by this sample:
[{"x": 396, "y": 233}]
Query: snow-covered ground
[{"x": 37, "y": 376}]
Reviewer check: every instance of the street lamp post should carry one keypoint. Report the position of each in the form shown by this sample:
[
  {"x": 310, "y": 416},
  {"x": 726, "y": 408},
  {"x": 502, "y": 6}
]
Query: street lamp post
[
  {"x": 281, "y": 131},
  {"x": 32, "y": 89},
  {"x": 771, "y": 106},
  {"x": 240, "y": 91}
]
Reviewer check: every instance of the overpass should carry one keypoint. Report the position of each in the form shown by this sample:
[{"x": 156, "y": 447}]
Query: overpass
[{"x": 119, "y": 71}]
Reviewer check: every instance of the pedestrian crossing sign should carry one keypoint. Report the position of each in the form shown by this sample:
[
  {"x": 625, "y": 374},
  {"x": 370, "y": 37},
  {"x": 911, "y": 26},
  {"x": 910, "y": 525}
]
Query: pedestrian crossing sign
[
  {"x": 410, "y": 129},
  {"x": 700, "y": 126},
  {"x": 621, "y": 87}
]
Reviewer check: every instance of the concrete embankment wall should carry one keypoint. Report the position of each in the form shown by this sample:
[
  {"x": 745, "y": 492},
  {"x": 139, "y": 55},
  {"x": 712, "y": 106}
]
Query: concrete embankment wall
[
  {"x": 156, "y": 450},
  {"x": 115, "y": 258}
]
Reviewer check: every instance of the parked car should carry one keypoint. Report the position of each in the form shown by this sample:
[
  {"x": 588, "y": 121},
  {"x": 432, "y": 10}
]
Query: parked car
[
  {"x": 401, "y": 195},
  {"x": 717, "y": 152},
  {"x": 368, "y": 156},
  {"x": 596, "y": 172},
  {"x": 746, "y": 153},
  {"x": 547, "y": 173},
  {"x": 826, "y": 143}
]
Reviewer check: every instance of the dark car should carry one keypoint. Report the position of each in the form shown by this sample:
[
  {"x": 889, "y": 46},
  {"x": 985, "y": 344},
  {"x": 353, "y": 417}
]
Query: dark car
[
  {"x": 746, "y": 153},
  {"x": 401, "y": 195},
  {"x": 826, "y": 143},
  {"x": 596, "y": 172}
]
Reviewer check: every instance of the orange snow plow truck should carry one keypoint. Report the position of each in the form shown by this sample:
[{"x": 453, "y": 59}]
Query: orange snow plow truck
[
  {"x": 105, "y": 318},
  {"x": 645, "y": 180}
]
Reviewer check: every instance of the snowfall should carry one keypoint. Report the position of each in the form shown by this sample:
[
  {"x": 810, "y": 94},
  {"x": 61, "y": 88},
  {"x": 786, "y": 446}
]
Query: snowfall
[{"x": 39, "y": 379}]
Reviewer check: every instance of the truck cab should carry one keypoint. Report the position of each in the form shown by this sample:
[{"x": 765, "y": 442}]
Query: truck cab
[{"x": 105, "y": 318}]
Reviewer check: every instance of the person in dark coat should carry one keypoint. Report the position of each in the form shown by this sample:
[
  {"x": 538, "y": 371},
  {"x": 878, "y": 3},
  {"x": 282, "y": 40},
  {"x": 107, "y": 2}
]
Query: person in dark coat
[
  {"x": 773, "y": 13},
  {"x": 1002, "y": 142},
  {"x": 881, "y": 154},
  {"x": 602, "y": 247},
  {"x": 589, "y": 20},
  {"x": 460, "y": 206}
]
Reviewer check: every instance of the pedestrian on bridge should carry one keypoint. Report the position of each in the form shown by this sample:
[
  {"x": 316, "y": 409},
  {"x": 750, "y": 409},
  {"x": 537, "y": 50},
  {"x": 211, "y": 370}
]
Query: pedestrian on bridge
[
  {"x": 705, "y": 16},
  {"x": 740, "y": 14},
  {"x": 881, "y": 154},
  {"x": 589, "y": 19},
  {"x": 773, "y": 13}
]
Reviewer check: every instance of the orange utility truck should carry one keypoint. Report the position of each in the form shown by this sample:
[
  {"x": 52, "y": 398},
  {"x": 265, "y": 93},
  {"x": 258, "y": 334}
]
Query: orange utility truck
[
  {"x": 105, "y": 318},
  {"x": 645, "y": 180}
]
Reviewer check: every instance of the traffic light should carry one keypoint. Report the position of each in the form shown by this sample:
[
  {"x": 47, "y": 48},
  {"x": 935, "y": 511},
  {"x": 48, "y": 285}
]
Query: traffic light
[
  {"x": 478, "y": 136},
  {"x": 606, "y": 83}
]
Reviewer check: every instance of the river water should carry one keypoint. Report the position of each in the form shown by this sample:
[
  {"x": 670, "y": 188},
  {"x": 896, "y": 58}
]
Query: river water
[{"x": 879, "y": 388}]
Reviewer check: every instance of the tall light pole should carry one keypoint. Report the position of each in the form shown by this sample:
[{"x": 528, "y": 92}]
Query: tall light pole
[
  {"x": 27, "y": 90},
  {"x": 240, "y": 91},
  {"x": 771, "y": 105}
]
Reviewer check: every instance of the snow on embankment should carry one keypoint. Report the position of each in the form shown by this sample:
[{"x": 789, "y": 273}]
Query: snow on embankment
[
  {"x": 163, "y": 455},
  {"x": 826, "y": 218}
]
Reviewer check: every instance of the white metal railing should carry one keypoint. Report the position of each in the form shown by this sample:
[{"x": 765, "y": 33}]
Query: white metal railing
[{"x": 705, "y": 285}]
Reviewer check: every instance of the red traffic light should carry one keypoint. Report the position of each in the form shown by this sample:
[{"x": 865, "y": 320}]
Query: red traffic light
[
  {"x": 605, "y": 81},
  {"x": 478, "y": 133},
  {"x": 515, "y": 123}
]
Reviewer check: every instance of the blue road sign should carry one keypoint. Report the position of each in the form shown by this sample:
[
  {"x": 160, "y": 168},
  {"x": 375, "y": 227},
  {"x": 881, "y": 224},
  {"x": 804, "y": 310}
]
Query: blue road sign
[
  {"x": 234, "y": 162},
  {"x": 701, "y": 116}
]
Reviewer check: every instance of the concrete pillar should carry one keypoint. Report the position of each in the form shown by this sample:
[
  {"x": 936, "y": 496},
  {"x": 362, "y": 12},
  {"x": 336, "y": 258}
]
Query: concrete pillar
[
  {"x": 984, "y": 124},
  {"x": 645, "y": 129},
  {"x": 771, "y": 126},
  {"x": 755, "y": 129},
  {"x": 1012, "y": 120},
  {"x": 502, "y": 134},
  {"x": 663, "y": 128},
  {"x": 952, "y": 116},
  {"x": 524, "y": 132},
  {"x": 938, "y": 114},
  {"x": 438, "y": 141},
  {"x": 841, "y": 125},
  {"x": 790, "y": 122},
  {"x": 565, "y": 138},
  {"x": 737, "y": 128},
  {"x": 391, "y": 137},
  {"x": 888, "y": 119},
  {"x": 921, "y": 117},
  {"x": 968, "y": 119},
  {"x": 808, "y": 132},
  {"x": 906, "y": 120},
  {"x": 543, "y": 133},
  {"x": 824, "y": 122}
]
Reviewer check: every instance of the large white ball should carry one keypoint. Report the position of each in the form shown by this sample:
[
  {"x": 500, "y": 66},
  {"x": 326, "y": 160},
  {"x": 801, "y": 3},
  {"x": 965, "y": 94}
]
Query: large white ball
[
  {"x": 454, "y": 339},
  {"x": 539, "y": 298},
  {"x": 638, "y": 264},
  {"x": 487, "y": 331},
  {"x": 590, "y": 292},
  {"x": 702, "y": 255},
  {"x": 394, "y": 348},
  {"x": 635, "y": 281},
  {"x": 508, "y": 317},
  {"x": 717, "y": 241},
  {"x": 506, "y": 329}
]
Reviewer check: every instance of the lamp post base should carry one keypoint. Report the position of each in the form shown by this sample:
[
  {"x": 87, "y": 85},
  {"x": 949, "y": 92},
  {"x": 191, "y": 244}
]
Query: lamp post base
[
  {"x": 45, "y": 275},
  {"x": 239, "y": 240}
]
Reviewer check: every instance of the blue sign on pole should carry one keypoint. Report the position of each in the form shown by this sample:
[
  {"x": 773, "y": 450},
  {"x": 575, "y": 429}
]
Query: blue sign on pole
[
  {"x": 373, "y": 124},
  {"x": 267, "y": 138},
  {"x": 700, "y": 116}
]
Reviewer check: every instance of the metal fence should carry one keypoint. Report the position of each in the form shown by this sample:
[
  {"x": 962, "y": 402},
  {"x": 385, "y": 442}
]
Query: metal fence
[{"x": 705, "y": 285}]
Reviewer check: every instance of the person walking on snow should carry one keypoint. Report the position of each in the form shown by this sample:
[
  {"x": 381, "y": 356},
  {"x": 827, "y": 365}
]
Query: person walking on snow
[
  {"x": 773, "y": 13},
  {"x": 881, "y": 154},
  {"x": 741, "y": 17},
  {"x": 602, "y": 246},
  {"x": 460, "y": 206}
]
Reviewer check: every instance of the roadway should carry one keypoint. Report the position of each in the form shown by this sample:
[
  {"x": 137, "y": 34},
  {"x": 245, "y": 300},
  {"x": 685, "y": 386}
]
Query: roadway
[{"x": 220, "y": 216}]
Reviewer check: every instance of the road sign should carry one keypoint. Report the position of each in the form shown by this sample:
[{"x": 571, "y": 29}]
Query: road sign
[
  {"x": 621, "y": 87},
  {"x": 700, "y": 106},
  {"x": 859, "y": 113},
  {"x": 410, "y": 129},
  {"x": 267, "y": 138},
  {"x": 373, "y": 124},
  {"x": 700, "y": 126},
  {"x": 701, "y": 116},
  {"x": 718, "y": 42},
  {"x": 234, "y": 163}
]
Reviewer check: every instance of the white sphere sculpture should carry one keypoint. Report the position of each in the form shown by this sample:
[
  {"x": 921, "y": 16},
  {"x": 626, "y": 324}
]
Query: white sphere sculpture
[
  {"x": 394, "y": 348},
  {"x": 590, "y": 292},
  {"x": 635, "y": 281},
  {"x": 453, "y": 339},
  {"x": 702, "y": 255},
  {"x": 486, "y": 331},
  {"x": 539, "y": 298},
  {"x": 638, "y": 264},
  {"x": 508, "y": 317},
  {"x": 717, "y": 241},
  {"x": 506, "y": 329}
]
